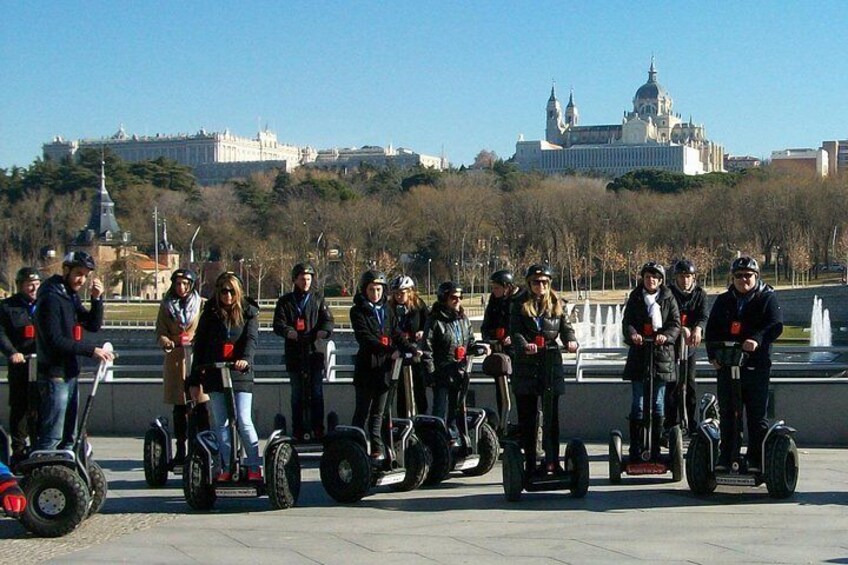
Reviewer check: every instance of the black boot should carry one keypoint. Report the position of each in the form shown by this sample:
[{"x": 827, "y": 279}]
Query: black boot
[
  {"x": 635, "y": 440},
  {"x": 656, "y": 433}
]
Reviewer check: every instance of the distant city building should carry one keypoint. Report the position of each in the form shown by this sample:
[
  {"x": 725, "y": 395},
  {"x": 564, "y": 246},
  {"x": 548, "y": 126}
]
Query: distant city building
[
  {"x": 376, "y": 156},
  {"x": 837, "y": 156},
  {"x": 813, "y": 161},
  {"x": 650, "y": 136},
  {"x": 736, "y": 163}
]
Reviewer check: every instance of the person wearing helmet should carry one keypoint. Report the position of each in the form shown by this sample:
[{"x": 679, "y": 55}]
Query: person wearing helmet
[
  {"x": 60, "y": 319},
  {"x": 748, "y": 312},
  {"x": 410, "y": 317},
  {"x": 372, "y": 321},
  {"x": 12, "y": 499},
  {"x": 176, "y": 324},
  {"x": 17, "y": 340},
  {"x": 495, "y": 327},
  {"x": 449, "y": 336},
  {"x": 692, "y": 302},
  {"x": 650, "y": 312},
  {"x": 228, "y": 330},
  {"x": 301, "y": 317},
  {"x": 537, "y": 320}
]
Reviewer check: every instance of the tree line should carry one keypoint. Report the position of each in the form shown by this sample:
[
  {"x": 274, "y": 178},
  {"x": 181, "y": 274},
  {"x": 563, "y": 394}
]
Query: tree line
[{"x": 459, "y": 224}]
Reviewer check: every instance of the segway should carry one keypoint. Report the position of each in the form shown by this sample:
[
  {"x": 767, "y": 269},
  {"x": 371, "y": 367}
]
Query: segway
[
  {"x": 309, "y": 442},
  {"x": 571, "y": 472},
  {"x": 347, "y": 470},
  {"x": 64, "y": 486},
  {"x": 779, "y": 460},
  {"x": 499, "y": 366},
  {"x": 159, "y": 458},
  {"x": 644, "y": 464},
  {"x": 281, "y": 480}
]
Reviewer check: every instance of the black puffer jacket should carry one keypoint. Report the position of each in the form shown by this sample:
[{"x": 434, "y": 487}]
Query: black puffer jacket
[
  {"x": 17, "y": 330},
  {"x": 759, "y": 316},
  {"x": 528, "y": 377},
  {"x": 213, "y": 333},
  {"x": 316, "y": 317},
  {"x": 58, "y": 309},
  {"x": 447, "y": 330},
  {"x": 496, "y": 318},
  {"x": 373, "y": 363},
  {"x": 408, "y": 322},
  {"x": 636, "y": 318}
]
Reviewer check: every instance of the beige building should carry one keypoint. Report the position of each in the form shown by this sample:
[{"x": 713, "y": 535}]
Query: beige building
[
  {"x": 378, "y": 157},
  {"x": 813, "y": 161},
  {"x": 837, "y": 156}
]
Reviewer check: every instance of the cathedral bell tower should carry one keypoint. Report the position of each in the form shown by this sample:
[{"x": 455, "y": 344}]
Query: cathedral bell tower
[
  {"x": 555, "y": 125},
  {"x": 572, "y": 116}
]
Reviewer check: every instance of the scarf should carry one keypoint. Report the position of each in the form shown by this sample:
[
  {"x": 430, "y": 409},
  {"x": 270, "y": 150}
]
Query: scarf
[
  {"x": 654, "y": 310},
  {"x": 184, "y": 311}
]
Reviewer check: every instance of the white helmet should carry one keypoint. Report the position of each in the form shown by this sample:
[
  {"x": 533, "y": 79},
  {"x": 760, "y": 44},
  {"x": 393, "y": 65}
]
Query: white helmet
[{"x": 401, "y": 282}]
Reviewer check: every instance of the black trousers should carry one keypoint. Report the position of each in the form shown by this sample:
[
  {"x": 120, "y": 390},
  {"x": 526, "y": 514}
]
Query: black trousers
[
  {"x": 754, "y": 384},
  {"x": 368, "y": 415},
  {"x": 23, "y": 409},
  {"x": 674, "y": 394},
  {"x": 527, "y": 406}
]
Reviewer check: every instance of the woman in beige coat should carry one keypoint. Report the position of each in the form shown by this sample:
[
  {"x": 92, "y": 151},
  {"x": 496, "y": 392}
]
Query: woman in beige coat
[{"x": 176, "y": 324}]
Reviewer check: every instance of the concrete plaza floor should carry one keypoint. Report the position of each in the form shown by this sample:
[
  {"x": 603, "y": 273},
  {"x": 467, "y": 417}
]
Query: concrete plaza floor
[{"x": 465, "y": 520}]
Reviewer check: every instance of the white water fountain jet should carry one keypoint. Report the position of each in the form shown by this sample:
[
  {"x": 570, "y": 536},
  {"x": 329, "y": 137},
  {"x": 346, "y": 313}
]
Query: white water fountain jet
[
  {"x": 821, "y": 333},
  {"x": 609, "y": 328},
  {"x": 598, "y": 334}
]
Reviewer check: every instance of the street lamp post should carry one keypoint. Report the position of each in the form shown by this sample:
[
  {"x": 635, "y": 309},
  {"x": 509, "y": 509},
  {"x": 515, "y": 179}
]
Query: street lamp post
[
  {"x": 429, "y": 287},
  {"x": 629, "y": 270},
  {"x": 776, "y": 259}
]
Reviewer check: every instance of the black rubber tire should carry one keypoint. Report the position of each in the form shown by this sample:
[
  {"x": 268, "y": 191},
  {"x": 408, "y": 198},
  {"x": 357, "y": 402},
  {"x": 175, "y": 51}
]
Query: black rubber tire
[
  {"x": 99, "y": 488},
  {"x": 441, "y": 459},
  {"x": 282, "y": 475},
  {"x": 699, "y": 473},
  {"x": 155, "y": 459},
  {"x": 345, "y": 471},
  {"x": 332, "y": 421},
  {"x": 675, "y": 453},
  {"x": 513, "y": 471},
  {"x": 615, "y": 458},
  {"x": 417, "y": 459},
  {"x": 197, "y": 484},
  {"x": 781, "y": 472},
  {"x": 488, "y": 448},
  {"x": 577, "y": 463},
  {"x": 57, "y": 501}
]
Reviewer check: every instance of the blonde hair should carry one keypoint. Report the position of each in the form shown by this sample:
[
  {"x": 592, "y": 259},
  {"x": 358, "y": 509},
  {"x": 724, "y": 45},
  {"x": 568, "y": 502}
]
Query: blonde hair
[
  {"x": 550, "y": 304},
  {"x": 234, "y": 315},
  {"x": 414, "y": 301}
]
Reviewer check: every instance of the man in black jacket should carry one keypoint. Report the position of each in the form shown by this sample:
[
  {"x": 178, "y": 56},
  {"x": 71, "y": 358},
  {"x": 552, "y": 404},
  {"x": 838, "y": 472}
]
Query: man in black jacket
[
  {"x": 60, "y": 319},
  {"x": 747, "y": 313},
  {"x": 17, "y": 341},
  {"x": 692, "y": 302},
  {"x": 301, "y": 317}
]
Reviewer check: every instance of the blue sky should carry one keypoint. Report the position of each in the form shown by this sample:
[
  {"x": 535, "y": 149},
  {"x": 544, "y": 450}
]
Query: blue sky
[{"x": 462, "y": 76}]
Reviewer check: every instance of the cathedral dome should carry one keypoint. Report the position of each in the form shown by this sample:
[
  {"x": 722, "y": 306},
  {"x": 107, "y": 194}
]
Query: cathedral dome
[{"x": 651, "y": 98}]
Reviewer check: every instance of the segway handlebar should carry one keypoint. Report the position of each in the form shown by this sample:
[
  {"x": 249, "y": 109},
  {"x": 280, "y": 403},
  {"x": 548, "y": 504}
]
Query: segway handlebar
[{"x": 728, "y": 353}]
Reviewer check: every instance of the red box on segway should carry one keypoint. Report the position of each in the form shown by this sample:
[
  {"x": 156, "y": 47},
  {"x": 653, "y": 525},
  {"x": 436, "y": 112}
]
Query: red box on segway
[{"x": 539, "y": 340}]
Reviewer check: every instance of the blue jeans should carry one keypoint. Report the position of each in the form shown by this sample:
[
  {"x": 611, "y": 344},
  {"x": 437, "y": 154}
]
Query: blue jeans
[
  {"x": 250, "y": 440},
  {"x": 316, "y": 373},
  {"x": 637, "y": 412},
  {"x": 57, "y": 422}
]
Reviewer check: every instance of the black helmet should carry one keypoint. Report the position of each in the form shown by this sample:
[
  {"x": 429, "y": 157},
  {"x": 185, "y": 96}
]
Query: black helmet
[
  {"x": 371, "y": 277},
  {"x": 653, "y": 267},
  {"x": 302, "y": 269},
  {"x": 27, "y": 274},
  {"x": 79, "y": 259},
  {"x": 745, "y": 264},
  {"x": 401, "y": 282},
  {"x": 183, "y": 274},
  {"x": 538, "y": 270},
  {"x": 684, "y": 267},
  {"x": 446, "y": 289},
  {"x": 502, "y": 277}
]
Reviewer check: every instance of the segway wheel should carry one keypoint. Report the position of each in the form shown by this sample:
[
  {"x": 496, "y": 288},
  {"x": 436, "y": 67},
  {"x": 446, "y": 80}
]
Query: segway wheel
[
  {"x": 781, "y": 472},
  {"x": 155, "y": 459},
  {"x": 345, "y": 471},
  {"x": 282, "y": 473},
  {"x": 675, "y": 453},
  {"x": 99, "y": 487},
  {"x": 57, "y": 499},
  {"x": 488, "y": 448},
  {"x": 577, "y": 464},
  {"x": 332, "y": 421},
  {"x": 197, "y": 484},
  {"x": 513, "y": 471},
  {"x": 417, "y": 460},
  {"x": 699, "y": 472},
  {"x": 615, "y": 457},
  {"x": 441, "y": 463}
]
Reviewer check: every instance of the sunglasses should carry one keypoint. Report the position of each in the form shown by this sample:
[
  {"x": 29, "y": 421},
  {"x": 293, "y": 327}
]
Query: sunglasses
[
  {"x": 740, "y": 276},
  {"x": 229, "y": 291},
  {"x": 540, "y": 282},
  {"x": 455, "y": 298}
]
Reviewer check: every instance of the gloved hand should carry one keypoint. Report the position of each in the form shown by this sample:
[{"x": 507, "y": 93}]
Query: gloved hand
[{"x": 14, "y": 501}]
